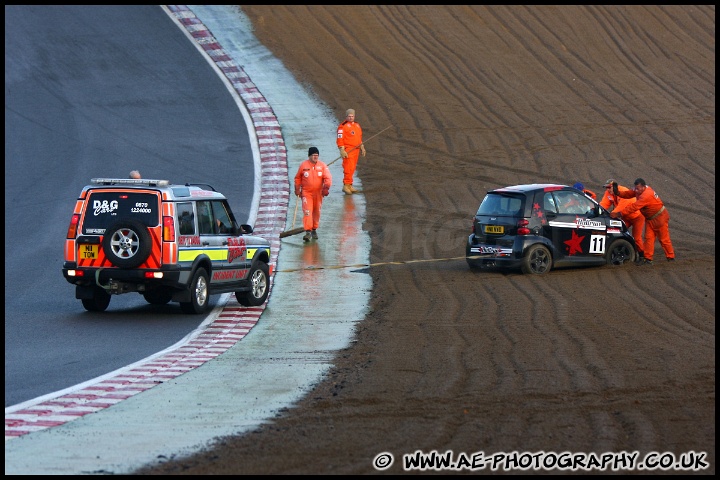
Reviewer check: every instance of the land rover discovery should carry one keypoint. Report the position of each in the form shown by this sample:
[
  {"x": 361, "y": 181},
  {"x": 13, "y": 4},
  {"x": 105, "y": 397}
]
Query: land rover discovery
[{"x": 166, "y": 242}]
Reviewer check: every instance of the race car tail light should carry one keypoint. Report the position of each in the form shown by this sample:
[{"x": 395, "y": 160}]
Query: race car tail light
[
  {"x": 72, "y": 228},
  {"x": 523, "y": 227},
  {"x": 168, "y": 229}
]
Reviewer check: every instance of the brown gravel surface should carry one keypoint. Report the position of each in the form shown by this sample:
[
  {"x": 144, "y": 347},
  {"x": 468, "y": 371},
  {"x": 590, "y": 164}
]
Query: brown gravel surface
[{"x": 581, "y": 360}]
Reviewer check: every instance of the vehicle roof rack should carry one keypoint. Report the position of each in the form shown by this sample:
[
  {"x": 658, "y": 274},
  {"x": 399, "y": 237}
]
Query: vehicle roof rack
[
  {"x": 201, "y": 185},
  {"x": 130, "y": 181}
]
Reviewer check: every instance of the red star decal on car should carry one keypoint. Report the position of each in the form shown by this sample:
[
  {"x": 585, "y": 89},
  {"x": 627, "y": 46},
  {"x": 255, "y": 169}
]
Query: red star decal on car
[
  {"x": 539, "y": 213},
  {"x": 574, "y": 244}
]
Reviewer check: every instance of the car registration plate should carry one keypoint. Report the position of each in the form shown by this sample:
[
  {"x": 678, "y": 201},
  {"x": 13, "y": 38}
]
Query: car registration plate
[
  {"x": 494, "y": 229},
  {"x": 88, "y": 251}
]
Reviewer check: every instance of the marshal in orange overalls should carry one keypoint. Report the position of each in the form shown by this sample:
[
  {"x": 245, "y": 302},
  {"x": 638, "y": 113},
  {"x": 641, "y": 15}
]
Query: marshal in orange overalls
[
  {"x": 635, "y": 220},
  {"x": 312, "y": 183},
  {"x": 656, "y": 216},
  {"x": 349, "y": 141}
]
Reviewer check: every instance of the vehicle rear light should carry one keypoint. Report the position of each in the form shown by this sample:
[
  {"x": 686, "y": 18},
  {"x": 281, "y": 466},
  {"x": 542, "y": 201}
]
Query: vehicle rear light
[
  {"x": 523, "y": 227},
  {"x": 168, "y": 229},
  {"x": 72, "y": 228},
  {"x": 153, "y": 274},
  {"x": 76, "y": 273}
]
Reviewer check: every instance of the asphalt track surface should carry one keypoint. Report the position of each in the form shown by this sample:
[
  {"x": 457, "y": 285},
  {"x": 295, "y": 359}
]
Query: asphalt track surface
[
  {"x": 97, "y": 92},
  {"x": 168, "y": 413}
]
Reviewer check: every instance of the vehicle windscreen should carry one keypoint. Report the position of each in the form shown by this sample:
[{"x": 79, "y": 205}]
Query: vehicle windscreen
[
  {"x": 105, "y": 208},
  {"x": 501, "y": 205}
]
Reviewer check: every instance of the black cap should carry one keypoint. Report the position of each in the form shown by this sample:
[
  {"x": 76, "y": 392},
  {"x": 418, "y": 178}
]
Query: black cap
[
  {"x": 640, "y": 181},
  {"x": 313, "y": 151}
]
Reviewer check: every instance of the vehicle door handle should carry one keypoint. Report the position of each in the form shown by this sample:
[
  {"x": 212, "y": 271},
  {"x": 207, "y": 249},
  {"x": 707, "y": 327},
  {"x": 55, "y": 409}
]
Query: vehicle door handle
[
  {"x": 225, "y": 242},
  {"x": 206, "y": 243}
]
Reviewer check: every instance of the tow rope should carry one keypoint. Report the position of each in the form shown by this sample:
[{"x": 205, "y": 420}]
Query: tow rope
[{"x": 360, "y": 265}]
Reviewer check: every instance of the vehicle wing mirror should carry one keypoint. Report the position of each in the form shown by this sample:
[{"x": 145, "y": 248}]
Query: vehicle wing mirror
[{"x": 245, "y": 228}]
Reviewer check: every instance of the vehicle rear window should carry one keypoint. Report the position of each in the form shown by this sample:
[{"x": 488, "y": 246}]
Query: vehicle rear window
[
  {"x": 501, "y": 205},
  {"x": 105, "y": 208}
]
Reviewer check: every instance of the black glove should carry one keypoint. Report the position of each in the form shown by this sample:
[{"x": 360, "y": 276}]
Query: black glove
[{"x": 615, "y": 189}]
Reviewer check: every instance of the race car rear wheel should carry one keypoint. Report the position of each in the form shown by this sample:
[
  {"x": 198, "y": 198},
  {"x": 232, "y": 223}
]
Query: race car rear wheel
[
  {"x": 537, "y": 260},
  {"x": 127, "y": 243}
]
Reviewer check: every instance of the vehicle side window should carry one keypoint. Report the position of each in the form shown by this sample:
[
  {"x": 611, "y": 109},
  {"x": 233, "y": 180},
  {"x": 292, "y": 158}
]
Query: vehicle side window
[
  {"x": 573, "y": 203},
  {"x": 222, "y": 219},
  {"x": 186, "y": 218},
  {"x": 549, "y": 203},
  {"x": 205, "y": 220}
]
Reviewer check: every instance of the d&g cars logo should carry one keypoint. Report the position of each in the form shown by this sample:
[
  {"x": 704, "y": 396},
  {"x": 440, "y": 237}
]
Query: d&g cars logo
[{"x": 104, "y": 206}]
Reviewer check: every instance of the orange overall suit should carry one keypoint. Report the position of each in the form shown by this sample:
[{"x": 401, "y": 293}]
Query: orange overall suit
[
  {"x": 349, "y": 141},
  {"x": 656, "y": 218},
  {"x": 634, "y": 220},
  {"x": 312, "y": 183}
]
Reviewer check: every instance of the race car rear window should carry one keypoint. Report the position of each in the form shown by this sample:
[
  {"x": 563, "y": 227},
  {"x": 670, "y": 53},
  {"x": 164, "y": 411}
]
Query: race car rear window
[
  {"x": 501, "y": 205},
  {"x": 105, "y": 208}
]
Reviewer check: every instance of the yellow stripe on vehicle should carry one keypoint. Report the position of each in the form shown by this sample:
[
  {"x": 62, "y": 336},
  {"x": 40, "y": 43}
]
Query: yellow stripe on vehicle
[
  {"x": 188, "y": 255},
  {"x": 252, "y": 251}
]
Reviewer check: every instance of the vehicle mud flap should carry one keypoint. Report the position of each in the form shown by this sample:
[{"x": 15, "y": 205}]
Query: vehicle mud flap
[
  {"x": 84, "y": 292},
  {"x": 181, "y": 295}
]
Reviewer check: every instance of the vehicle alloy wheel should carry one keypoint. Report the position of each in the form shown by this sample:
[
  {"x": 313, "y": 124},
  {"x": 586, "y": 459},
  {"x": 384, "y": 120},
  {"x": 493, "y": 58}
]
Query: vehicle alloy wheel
[
  {"x": 198, "y": 294},
  {"x": 537, "y": 260},
  {"x": 127, "y": 243},
  {"x": 620, "y": 252},
  {"x": 259, "y": 286}
]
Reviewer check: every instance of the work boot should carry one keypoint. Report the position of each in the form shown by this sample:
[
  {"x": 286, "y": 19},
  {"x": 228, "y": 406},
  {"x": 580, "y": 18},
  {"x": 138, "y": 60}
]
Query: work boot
[
  {"x": 347, "y": 189},
  {"x": 648, "y": 262},
  {"x": 314, "y": 235},
  {"x": 354, "y": 190},
  {"x": 671, "y": 259},
  {"x": 306, "y": 237},
  {"x": 639, "y": 260}
]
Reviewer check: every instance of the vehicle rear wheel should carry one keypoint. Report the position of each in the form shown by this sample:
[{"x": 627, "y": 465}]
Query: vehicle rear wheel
[
  {"x": 198, "y": 293},
  {"x": 620, "y": 253},
  {"x": 158, "y": 296},
  {"x": 99, "y": 302},
  {"x": 537, "y": 260},
  {"x": 127, "y": 243},
  {"x": 259, "y": 286}
]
